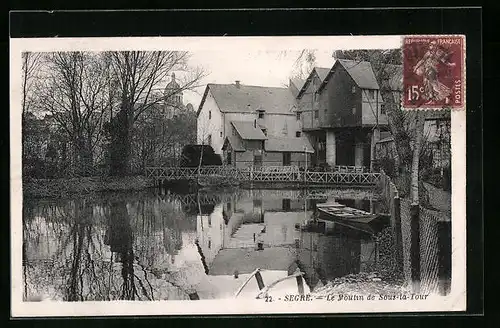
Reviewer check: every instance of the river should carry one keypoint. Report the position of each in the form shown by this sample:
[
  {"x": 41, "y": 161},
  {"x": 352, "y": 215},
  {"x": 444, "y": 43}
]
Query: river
[{"x": 161, "y": 244}]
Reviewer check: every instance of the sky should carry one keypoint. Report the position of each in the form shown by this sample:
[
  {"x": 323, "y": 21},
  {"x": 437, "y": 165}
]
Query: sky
[
  {"x": 264, "y": 68},
  {"x": 259, "y": 61}
]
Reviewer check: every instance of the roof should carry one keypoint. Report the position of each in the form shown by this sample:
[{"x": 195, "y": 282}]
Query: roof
[
  {"x": 322, "y": 73},
  {"x": 249, "y": 98},
  {"x": 248, "y": 131},
  {"x": 235, "y": 143},
  {"x": 173, "y": 83},
  {"x": 388, "y": 139},
  {"x": 385, "y": 136},
  {"x": 437, "y": 115},
  {"x": 298, "y": 83},
  {"x": 361, "y": 72},
  {"x": 290, "y": 144}
]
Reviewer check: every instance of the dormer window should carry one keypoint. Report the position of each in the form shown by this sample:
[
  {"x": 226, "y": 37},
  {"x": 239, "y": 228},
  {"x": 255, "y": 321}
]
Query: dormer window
[{"x": 297, "y": 115}]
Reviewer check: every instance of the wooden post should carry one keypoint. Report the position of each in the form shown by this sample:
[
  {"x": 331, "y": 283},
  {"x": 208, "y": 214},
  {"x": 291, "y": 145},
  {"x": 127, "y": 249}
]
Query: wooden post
[
  {"x": 444, "y": 249},
  {"x": 260, "y": 282},
  {"x": 415, "y": 246},
  {"x": 398, "y": 238},
  {"x": 300, "y": 285}
]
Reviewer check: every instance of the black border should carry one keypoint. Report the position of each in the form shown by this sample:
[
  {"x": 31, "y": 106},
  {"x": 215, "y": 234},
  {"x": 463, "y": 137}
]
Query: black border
[{"x": 467, "y": 21}]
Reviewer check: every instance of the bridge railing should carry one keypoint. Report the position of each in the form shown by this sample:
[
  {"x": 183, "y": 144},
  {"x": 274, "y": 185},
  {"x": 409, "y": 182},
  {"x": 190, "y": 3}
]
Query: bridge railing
[{"x": 264, "y": 174}]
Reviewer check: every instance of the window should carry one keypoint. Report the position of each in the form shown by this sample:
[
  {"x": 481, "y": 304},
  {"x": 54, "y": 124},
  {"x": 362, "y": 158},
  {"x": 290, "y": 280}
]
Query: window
[
  {"x": 316, "y": 113},
  {"x": 209, "y": 243},
  {"x": 371, "y": 94},
  {"x": 298, "y": 115},
  {"x": 287, "y": 159},
  {"x": 228, "y": 158},
  {"x": 257, "y": 202},
  {"x": 382, "y": 108},
  {"x": 220, "y": 133},
  {"x": 354, "y": 110},
  {"x": 353, "y": 89},
  {"x": 261, "y": 114},
  {"x": 286, "y": 204},
  {"x": 257, "y": 160},
  {"x": 209, "y": 140},
  {"x": 209, "y": 221},
  {"x": 298, "y": 134},
  {"x": 209, "y": 114}
]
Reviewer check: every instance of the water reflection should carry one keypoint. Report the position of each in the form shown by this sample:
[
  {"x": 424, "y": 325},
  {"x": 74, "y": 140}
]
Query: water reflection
[
  {"x": 164, "y": 245},
  {"x": 230, "y": 235}
]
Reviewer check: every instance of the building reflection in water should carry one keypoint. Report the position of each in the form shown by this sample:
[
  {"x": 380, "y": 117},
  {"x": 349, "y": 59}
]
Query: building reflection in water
[
  {"x": 229, "y": 236},
  {"x": 122, "y": 246}
]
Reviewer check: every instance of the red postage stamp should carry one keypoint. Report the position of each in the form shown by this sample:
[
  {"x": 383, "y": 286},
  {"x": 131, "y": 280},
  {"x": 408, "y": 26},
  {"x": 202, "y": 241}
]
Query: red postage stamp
[{"x": 433, "y": 72}]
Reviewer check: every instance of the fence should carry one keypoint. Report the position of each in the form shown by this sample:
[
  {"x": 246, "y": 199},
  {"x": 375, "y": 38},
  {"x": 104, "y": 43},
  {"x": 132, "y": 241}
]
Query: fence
[
  {"x": 422, "y": 239},
  {"x": 264, "y": 174}
]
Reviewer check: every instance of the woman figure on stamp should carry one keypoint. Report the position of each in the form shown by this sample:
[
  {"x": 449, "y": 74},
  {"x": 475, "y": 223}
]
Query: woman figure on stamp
[{"x": 428, "y": 68}]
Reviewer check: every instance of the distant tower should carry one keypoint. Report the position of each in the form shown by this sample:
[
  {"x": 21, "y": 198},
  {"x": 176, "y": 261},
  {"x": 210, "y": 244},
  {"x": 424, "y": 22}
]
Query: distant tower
[{"x": 173, "y": 97}]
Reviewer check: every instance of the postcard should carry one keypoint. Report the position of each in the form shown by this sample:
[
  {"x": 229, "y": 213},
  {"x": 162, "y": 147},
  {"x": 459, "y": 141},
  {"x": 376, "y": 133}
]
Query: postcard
[{"x": 238, "y": 175}]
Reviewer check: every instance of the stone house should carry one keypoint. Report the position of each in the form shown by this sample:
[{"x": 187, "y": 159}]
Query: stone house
[{"x": 271, "y": 110}]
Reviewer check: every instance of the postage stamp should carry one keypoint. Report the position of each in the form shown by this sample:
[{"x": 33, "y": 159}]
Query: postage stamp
[
  {"x": 434, "y": 72},
  {"x": 236, "y": 175}
]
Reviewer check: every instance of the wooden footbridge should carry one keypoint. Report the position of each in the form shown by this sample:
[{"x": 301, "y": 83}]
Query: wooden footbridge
[{"x": 341, "y": 175}]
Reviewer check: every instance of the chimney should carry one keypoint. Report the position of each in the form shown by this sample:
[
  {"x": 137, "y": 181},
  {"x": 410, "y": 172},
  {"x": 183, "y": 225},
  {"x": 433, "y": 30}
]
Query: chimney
[{"x": 237, "y": 82}]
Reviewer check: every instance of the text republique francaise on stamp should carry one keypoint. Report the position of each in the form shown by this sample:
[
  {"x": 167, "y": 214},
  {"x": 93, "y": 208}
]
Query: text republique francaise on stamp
[{"x": 434, "y": 72}]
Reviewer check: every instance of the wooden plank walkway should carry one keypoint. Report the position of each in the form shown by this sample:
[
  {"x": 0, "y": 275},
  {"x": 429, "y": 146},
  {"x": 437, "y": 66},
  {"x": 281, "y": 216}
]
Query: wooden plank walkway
[{"x": 266, "y": 174}]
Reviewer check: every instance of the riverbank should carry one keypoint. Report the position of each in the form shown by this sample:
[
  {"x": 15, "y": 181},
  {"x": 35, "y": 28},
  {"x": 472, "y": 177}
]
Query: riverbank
[
  {"x": 361, "y": 284},
  {"x": 59, "y": 188}
]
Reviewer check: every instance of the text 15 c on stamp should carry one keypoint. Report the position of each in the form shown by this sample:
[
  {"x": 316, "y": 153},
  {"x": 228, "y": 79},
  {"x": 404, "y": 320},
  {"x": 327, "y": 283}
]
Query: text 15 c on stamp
[{"x": 433, "y": 72}]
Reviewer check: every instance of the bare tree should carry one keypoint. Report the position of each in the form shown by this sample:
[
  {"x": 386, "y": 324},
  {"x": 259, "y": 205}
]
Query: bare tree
[
  {"x": 304, "y": 64},
  {"x": 76, "y": 94},
  {"x": 30, "y": 68},
  {"x": 417, "y": 150},
  {"x": 138, "y": 75}
]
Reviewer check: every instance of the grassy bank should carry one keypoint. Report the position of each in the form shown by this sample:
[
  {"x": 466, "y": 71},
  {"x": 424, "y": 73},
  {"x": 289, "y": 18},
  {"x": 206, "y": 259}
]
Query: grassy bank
[{"x": 38, "y": 188}]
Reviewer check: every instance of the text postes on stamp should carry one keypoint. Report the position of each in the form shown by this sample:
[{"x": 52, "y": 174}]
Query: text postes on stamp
[{"x": 433, "y": 72}]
